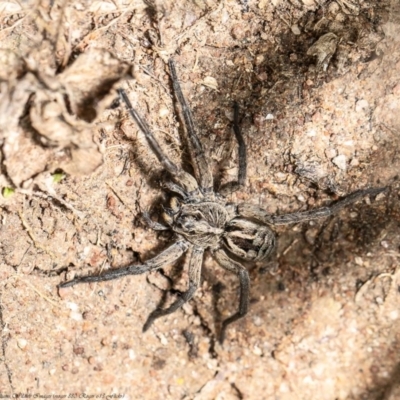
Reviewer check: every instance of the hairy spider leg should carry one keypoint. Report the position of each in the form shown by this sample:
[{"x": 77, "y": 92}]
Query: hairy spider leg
[
  {"x": 242, "y": 146},
  {"x": 196, "y": 260},
  {"x": 156, "y": 226},
  {"x": 167, "y": 257},
  {"x": 187, "y": 181},
  {"x": 254, "y": 212},
  {"x": 200, "y": 165},
  {"x": 244, "y": 280}
]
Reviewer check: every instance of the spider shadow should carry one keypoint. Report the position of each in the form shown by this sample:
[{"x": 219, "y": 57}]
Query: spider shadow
[
  {"x": 392, "y": 386},
  {"x": 326, "y": 261},
  {"x": 224, "y": 285},
  {"x": 173, "y": 274},
  {"x": 336, "y": 242}
]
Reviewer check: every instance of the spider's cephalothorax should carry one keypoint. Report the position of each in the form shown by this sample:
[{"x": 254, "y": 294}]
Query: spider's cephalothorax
[
  {"x": 203, "y": 220},
  {"x": 200, "y": 223}
]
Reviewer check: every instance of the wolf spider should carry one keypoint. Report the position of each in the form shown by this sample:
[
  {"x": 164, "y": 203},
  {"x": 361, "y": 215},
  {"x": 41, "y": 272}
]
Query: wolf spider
[{"x": 203, "y": 219}]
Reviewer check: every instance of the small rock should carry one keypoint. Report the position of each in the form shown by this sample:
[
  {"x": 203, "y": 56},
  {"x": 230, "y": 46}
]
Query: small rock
[
  {"x": 341, "y": 162},
  {"x": 354, "y": 162},
  {"x": 210, "y": 82},
  {"x": 359, "y": 261},
  {"x": 263, "y": 76},
  {"x": 362, "y": 105},
  {"x": 301, "y": 198},
  {"x": 22, "y": 343},
  {"x": 163, "y": 112},
  {"x": 76, "y": 316},
  {"x": 72, "y": 306},
  {"x": 257, "y": 351},
  {"x": 239, "y": 32},
  {"x": 102, "y": 7},
  {"x": 380, "y": 196},
  {"x": 188, "y": 308},
  {"x": 295, "y": 29},
  {"x": 131, "y": 354},
  {"x": 259, "y": 59},
  {"x": 379, "y": 300},
  {"x": 330, "y": 152},
  {"x": 163, "y": 339},
  {"x": 393, "y": 315}
]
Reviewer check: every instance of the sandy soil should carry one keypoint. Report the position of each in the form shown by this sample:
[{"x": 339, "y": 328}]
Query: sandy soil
[{"x": 318, "y": 84}]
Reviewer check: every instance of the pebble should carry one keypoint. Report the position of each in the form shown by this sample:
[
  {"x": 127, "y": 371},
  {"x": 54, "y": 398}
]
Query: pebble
[
  {"x": 341, "y": 162},
  {"x": 210, "y": 82},
  {"x": 295, "y": 29},
  {"x": 22, "y": 343},
  {"x": 362, "y": 105},
  {"x": 359, "y": 261}
]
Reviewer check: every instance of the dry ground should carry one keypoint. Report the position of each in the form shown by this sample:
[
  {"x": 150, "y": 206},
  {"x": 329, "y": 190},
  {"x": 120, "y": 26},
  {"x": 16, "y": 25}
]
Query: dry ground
[{"x": 318, "y": 84}]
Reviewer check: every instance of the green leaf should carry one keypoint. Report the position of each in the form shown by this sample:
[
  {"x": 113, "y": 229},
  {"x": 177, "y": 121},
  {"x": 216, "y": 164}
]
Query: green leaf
[
  {"x": 7, "y": 192},
  {"x": 58, "y": 177}
]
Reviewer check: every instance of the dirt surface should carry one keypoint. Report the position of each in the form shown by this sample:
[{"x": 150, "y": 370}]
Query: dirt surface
[{"x": 318, "y": 85}]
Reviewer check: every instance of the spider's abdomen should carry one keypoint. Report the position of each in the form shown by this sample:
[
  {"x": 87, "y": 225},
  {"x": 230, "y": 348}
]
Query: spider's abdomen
[{"x": 248, "y": 240}]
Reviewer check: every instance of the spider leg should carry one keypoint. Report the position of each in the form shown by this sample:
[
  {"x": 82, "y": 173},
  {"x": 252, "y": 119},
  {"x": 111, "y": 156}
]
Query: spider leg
[
  {"x": 244, "y": 280},
  {"x": 181, "y": 176},
  {"x": 173, "y": 187},
  {"x": 233, "y": 186},
  {"x": 242, "y": 146},
  {"x": 254, "y": 212},
  {"x": 199, "y": 162},
  {"x": 168, "y": 256},
  {"x": 196, "y": 259},
  {"x": 156, "y": 226}
]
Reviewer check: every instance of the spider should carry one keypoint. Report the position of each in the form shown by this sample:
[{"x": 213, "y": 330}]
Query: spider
[{"x": 203, "y": 219}]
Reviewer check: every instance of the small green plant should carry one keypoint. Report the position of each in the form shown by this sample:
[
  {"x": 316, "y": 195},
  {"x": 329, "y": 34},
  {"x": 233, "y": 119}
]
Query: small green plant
[
  {"x": 58, "y": 177},
  {"x": 7, "y": 192}
]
